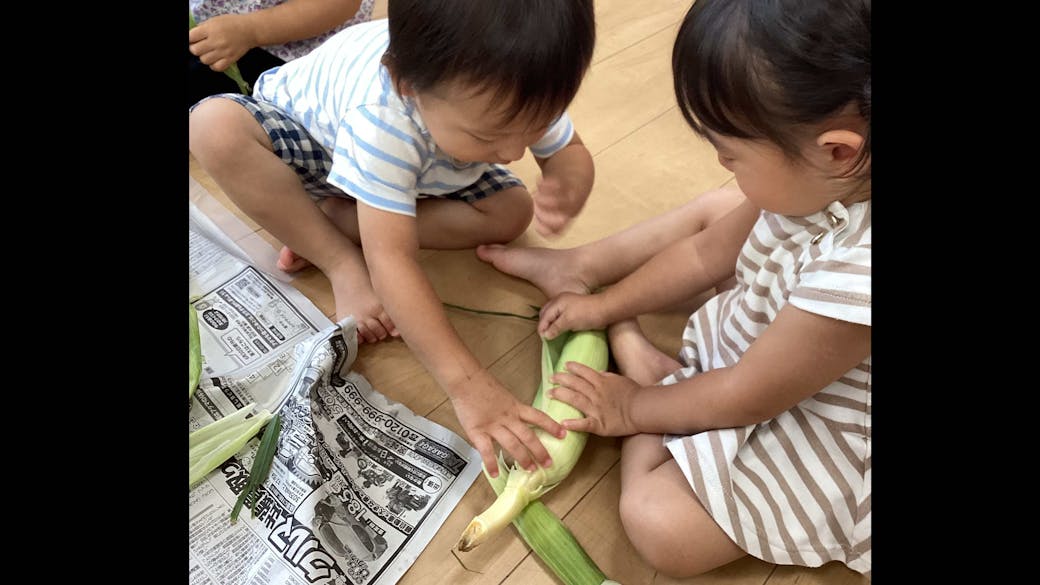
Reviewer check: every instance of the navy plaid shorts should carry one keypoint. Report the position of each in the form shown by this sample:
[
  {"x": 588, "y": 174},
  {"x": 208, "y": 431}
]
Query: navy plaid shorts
[{"x": 313, "y": 163}]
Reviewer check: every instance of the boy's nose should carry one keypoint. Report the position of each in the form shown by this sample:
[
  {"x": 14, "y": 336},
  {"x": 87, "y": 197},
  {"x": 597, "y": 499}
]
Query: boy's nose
[{"x": 512, "y": 152}]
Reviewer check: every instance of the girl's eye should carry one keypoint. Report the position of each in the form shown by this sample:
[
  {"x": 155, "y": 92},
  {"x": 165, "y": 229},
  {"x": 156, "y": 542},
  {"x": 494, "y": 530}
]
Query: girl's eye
[{"x": 482, "y": 140}]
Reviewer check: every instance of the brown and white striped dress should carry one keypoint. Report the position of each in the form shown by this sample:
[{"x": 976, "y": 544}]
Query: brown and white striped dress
[{"x": 794, "y": 489}]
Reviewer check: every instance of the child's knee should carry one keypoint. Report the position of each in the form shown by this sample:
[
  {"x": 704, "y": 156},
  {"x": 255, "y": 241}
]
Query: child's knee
[
  {"x": 511, "y": 214},
  {"x": 651, "y": 529},
  {"x": 211, "y": 135}
]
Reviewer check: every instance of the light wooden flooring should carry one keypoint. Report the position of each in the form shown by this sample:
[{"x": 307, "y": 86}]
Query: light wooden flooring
[{"x": 647, "y": 161}]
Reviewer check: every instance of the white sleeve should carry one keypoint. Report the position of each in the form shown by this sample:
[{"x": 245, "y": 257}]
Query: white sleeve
[
  {"x": 378, "y": 156},
  {"x": 556, "y": 137}
]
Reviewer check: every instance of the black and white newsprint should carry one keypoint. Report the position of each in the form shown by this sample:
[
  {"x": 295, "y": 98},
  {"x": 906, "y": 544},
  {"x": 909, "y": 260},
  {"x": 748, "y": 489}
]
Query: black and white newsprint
[{"x": 358, "y": 486}]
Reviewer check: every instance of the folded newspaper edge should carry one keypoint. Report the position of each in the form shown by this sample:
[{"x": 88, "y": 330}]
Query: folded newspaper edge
[{"x": 359, "y": 484}]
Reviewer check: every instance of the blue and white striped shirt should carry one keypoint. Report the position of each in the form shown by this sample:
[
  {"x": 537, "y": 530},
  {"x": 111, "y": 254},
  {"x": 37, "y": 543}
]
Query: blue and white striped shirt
[{"x": 381, "y": 151}]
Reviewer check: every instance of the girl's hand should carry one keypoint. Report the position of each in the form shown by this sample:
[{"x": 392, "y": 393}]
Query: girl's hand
[
  {"x": 604, "y": 397},
  {"x": 491, "y": 414},
  {"x": 570, "y": 312},
  {"x": 554, "y": 206},
  {"x": 221, "y": 40}
]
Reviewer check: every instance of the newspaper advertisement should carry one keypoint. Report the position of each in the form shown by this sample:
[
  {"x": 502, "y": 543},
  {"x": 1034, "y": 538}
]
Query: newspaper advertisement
[{"x": 359, "y": 485}]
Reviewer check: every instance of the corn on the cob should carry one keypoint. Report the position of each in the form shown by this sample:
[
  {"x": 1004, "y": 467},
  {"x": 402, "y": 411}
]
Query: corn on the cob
[
  {"x": 521, "y": 487},
  {"x": 232, "y": 70},
  {"x": 194, "y": 351}
]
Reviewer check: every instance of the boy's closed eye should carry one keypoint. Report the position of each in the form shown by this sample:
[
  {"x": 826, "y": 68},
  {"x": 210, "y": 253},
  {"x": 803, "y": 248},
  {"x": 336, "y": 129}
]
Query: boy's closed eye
[{"x": 481, "y": 138}]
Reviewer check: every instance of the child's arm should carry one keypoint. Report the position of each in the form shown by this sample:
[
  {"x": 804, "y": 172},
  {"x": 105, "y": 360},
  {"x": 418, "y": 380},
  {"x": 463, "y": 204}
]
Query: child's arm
[
  {"x": 798, "y": 355},
  {"x": 684, "y": 269},
  {"x": 222, "y": 40},
  {"x": 486, "y": 409},
  {"x": 566, "y": 182}
]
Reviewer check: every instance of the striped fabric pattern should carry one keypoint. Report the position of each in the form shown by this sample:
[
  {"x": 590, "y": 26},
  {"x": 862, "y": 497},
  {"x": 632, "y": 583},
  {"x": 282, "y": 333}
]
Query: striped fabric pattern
[
  {"x": 794, "y": 489},
  {"x": 382, "y": 152}
]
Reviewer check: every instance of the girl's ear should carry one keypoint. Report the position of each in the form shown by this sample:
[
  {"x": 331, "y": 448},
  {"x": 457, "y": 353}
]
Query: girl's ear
[{"x": 840, "y": 147}]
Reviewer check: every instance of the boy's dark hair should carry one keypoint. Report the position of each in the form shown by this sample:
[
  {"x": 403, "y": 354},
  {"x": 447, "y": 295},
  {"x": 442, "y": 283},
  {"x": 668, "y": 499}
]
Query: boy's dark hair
[
  {"x": 532, "y": 54},
  {"x": 760, "y": 68}
]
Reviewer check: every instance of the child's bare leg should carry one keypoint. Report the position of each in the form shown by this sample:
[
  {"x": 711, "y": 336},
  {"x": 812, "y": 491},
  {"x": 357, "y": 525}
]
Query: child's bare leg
[
  {"x": 234, "y": 149},
  {"x": 610, "y": 259},
  {"x": 448, "y": 224},
  {"x": 636, "y": 357},
  {"x": 662, "y": 516},
  {"x": 336, "y": 209}
]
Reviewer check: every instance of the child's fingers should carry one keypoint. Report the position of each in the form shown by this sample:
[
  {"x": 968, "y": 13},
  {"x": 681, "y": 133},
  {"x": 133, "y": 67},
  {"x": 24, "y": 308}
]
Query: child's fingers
[
  {"x": 580, "y": 425},
  {"x": 484, "y": 446},
  {"x": 548, "y": 223},
  {"x": 530, "y": 440},
  {"x": 573, "y": 381},
  {"x": 221, "y": 65},
  {"x": 550, "y": 312},
  {"x": 532, "y": 415},
  {"x": 553, "y": 329},
  {"x": 512, "y": 445},
  {"x": 582, "y": 371},
  {"x": 573, "y": 397}
]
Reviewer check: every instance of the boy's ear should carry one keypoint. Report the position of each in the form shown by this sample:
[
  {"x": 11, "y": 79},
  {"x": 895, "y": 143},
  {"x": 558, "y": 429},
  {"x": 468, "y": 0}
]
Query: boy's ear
[
  {"x": 840, "y": 146},
  {"x": 403, "y": 88}
]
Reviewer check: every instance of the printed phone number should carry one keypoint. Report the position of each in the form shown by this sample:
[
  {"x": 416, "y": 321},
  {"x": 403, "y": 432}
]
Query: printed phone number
[{"x": 388, "y": 424}]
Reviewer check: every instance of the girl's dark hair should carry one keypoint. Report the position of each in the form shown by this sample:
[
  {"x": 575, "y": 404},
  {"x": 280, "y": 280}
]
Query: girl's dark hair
[
  {"x": 532, "y": 54},
  {"x": 764, "y": 68}
]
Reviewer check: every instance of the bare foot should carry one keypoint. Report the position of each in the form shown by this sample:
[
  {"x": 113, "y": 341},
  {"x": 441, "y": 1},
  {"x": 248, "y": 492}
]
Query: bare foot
[
  {"x": 359, "y": 300},
  {"x": 352, "y": 289},
  {"x": 290, "y": 262},
  {"x": 636, "y": 357},
  {"x": 552, "y": 271},
  {"x": 373, "y": 324}
]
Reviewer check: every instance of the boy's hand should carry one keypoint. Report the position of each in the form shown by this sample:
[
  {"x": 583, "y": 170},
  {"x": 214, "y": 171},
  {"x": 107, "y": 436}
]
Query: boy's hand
[
  {"x": 221, "y": 40},
  {"x": 570, "y": 312},
  {"x": 604, "y": 397},
  {"x": 555, "y": 206},
  {"x": 491, "y": 414}
]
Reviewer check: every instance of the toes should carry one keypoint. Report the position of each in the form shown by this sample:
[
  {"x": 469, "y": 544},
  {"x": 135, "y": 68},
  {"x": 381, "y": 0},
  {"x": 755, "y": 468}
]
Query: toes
[
  {"x": 286, "y": 257},
  {"x": 489, "y": 252},
  {"x": 289, "y": 261},
  {"x": 377, "y": 331},
  {"x": 388, "y": 325}
]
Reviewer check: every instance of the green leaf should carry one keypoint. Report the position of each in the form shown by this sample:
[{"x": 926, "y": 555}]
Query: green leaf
[{"x": 261, "y": 466}]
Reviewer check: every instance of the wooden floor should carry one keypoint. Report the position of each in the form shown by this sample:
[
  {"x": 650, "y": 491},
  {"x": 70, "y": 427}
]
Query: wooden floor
[{"x": 647, "y": 161}]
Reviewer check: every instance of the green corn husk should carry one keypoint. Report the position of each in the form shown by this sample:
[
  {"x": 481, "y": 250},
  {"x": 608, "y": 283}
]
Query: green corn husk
[
  {"x": 232, "y": 70},
  {"x": 194, "y": 351},
  {"x": 518, "y": 490},
  {"x": 216, "y": 442},
  {"x": 552, "y": 541},
  {"x": 261, "y": 467}
]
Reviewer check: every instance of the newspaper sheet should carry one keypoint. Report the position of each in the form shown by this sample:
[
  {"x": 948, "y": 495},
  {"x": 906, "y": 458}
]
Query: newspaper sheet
[{"x": 359, "y": 485}]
